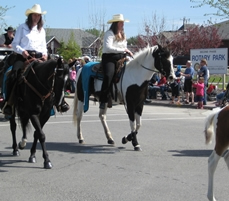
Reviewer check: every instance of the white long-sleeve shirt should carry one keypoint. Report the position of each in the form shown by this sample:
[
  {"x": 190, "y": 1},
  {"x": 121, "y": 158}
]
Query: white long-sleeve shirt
[
  {"x": 26, "y": 39},
  {"x": 110, "y": 45}
]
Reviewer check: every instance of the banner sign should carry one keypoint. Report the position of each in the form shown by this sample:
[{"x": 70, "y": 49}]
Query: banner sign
[{"x": 217, "y": 59}]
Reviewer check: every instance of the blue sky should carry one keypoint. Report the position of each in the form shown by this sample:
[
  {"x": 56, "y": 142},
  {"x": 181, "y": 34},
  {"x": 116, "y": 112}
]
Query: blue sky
[{"x": 78, "y": 13}]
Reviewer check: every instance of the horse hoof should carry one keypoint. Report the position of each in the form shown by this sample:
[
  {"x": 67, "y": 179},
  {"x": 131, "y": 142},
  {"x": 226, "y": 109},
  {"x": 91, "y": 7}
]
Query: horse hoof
[
  {"x": 137, "y": 148},
  {"x": 110, "y": 142},
  {"x": 20, "y": 147},
  {"x": 16, "y": 153},
  {"x": 48, "y": 165},
  {"x": 81, "y": 141},
  {"x": 32, "y": 159},
  {"x": 124, "y": 140}
]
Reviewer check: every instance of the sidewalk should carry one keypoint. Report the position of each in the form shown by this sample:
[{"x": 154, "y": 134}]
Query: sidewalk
[{"x": 210, "y": 104}]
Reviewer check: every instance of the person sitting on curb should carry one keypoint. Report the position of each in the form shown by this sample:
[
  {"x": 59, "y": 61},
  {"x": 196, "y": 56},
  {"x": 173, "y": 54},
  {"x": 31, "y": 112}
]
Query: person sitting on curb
[
  {"x": 160, "y": 86},
  {"x": 219, "y": 99}
]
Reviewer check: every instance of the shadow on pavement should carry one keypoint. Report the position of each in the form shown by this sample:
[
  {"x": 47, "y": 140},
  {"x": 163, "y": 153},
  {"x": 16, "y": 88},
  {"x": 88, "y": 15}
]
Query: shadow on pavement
[{"x": 192, "y": 153}]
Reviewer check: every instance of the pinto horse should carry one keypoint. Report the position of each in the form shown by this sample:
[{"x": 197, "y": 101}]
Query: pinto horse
[
  {"x": 39, "y": 89},
  {"x": 132, "y": 90},
  {"x": 216, "y": 123}
]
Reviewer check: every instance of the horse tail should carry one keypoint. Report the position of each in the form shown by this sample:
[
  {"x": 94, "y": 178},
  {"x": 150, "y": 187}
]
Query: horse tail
[
  {"x": 75, "y": 102},
  {"x": 209, "y": 127}
]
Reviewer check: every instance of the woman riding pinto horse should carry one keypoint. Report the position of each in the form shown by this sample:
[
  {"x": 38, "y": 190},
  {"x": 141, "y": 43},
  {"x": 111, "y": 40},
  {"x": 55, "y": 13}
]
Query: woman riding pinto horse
[{"x": 131, "y": 89}]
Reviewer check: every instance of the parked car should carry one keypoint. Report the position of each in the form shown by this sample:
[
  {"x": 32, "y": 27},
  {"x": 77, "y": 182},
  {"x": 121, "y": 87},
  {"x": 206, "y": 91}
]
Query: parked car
[{"x": 4, "y": 51}]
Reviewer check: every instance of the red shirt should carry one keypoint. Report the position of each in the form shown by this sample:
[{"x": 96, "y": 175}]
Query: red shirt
[
  {"x": 162, "y": 81},
  {"x": 199, "y": 88}
]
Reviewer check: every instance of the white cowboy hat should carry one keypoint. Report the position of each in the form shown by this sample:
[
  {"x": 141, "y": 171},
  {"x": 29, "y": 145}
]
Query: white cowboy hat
[
  {"x": 35, "y": 9},
  {"x": 117, "y": 18}
]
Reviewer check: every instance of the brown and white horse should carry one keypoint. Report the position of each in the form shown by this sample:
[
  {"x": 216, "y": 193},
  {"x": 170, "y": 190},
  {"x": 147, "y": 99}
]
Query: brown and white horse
[
  {"x": 132, "y": 90},
  {"x": 216, "y": 123}
]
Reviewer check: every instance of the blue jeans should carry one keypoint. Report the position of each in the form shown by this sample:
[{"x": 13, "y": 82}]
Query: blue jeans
[
  {"x": 154, "y": 89},
  {"x": 205, "y": 94},
  {"x": 73, "y": 86}
]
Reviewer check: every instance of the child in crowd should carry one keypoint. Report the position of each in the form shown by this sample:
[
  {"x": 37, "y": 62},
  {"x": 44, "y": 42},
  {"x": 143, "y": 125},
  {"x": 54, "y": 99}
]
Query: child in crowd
[
  {"x": 199, "y": 92},
  {"x": 175, "y": 86},
  {"x": 72, "y": 77}
]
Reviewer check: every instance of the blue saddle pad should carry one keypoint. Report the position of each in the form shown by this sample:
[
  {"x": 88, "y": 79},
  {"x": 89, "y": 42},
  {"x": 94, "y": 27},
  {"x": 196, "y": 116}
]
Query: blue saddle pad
[
  {"x": 86, "y": 74},
  {"x": 4, "y": 81}
]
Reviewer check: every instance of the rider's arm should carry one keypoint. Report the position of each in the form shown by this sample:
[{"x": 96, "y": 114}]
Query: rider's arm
[{"x": 16, "y": 44}]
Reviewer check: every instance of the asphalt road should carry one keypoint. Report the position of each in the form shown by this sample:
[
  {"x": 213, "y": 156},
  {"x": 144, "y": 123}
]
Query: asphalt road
[{"x": 171, "y": 166}]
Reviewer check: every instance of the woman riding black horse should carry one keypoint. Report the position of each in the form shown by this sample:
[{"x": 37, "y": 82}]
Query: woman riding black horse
[{"x": 29, "y": 42}]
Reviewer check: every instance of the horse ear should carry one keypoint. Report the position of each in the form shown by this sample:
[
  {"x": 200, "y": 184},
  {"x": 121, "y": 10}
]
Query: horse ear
[
  {"x": 159, "y": 47},
  {"x": 157, "y": 51},
  {"x": 59, "y": 61}
]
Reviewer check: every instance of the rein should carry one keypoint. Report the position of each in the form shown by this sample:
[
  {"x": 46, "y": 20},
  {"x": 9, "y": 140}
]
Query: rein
[
  {"x": 156, "y": 71},
  {"x": 42, "y": 97}
]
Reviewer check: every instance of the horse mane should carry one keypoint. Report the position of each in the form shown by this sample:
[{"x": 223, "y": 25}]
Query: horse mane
[{"x": 138, "y": 56}]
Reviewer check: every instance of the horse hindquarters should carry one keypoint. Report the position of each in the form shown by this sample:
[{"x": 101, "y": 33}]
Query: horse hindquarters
[{"x": 216, "y": 122}]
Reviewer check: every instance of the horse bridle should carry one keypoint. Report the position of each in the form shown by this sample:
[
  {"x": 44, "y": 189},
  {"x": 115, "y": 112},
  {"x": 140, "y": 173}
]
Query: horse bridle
[
  {"x": 42, "y": 97},
  {"x": 161, "y": 65}
]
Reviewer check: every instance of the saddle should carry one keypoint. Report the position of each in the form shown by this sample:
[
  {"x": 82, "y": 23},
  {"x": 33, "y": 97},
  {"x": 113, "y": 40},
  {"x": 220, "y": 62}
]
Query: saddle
[{"x": 98, "y": 69}]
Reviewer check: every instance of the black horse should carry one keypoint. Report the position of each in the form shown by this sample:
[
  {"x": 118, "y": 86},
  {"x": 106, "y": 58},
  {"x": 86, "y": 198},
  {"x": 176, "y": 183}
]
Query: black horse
[{"x": 39, "y": 88}]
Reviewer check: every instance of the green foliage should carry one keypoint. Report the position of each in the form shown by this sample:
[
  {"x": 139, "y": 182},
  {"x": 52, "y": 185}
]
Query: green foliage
[
  {"x": 132, "y": 40},
  {"x": 69, "y": 50},
  {"x": 94, "y": 32}
]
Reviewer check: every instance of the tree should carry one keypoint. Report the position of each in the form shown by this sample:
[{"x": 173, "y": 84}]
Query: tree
[
  {"x": 132, "y": 40},
  {"x": 94, "y": 32},
  {"x": 196, "y": 37},
  {"x": 3, "y": 11},
  {"x": 70, "y": 50},
  {"x": 97, "y": 23},
  {"x": 222, "y": 6},
  {"x": 152, "y": 29}
]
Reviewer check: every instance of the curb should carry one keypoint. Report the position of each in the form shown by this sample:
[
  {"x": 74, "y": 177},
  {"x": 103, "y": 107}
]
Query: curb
[{"x": 167, "y": 104}]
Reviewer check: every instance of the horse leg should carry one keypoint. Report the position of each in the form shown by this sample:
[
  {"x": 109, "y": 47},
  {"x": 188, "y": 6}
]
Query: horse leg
[
  {"x": 79, "y": 116},
  {"x": 13, "y": 127},
  {"x": 32, "y": 158},
  {"x": 24, "y": 123},
  {"x": 102, "y": 116},
  {"x": 135, "y": 124},
  {"x": 39, "y": 134},
  {"x": 212, "y": 164}
]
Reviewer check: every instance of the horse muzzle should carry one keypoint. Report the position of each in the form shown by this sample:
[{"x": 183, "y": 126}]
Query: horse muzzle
[{"x": 64, "y": 107}]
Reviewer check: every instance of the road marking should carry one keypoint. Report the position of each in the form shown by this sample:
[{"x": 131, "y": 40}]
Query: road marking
[{"x": 118, "y": 120}]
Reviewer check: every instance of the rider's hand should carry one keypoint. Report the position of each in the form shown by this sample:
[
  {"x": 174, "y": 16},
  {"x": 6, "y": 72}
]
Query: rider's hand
[
  {"x": 44, "y": 57},
  {"x": 129, "y": 52},
  {"x": 25, "y": 54}
]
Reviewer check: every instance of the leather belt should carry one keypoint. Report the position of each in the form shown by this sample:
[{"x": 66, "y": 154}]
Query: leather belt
[{"x": 34, "y": 54}]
